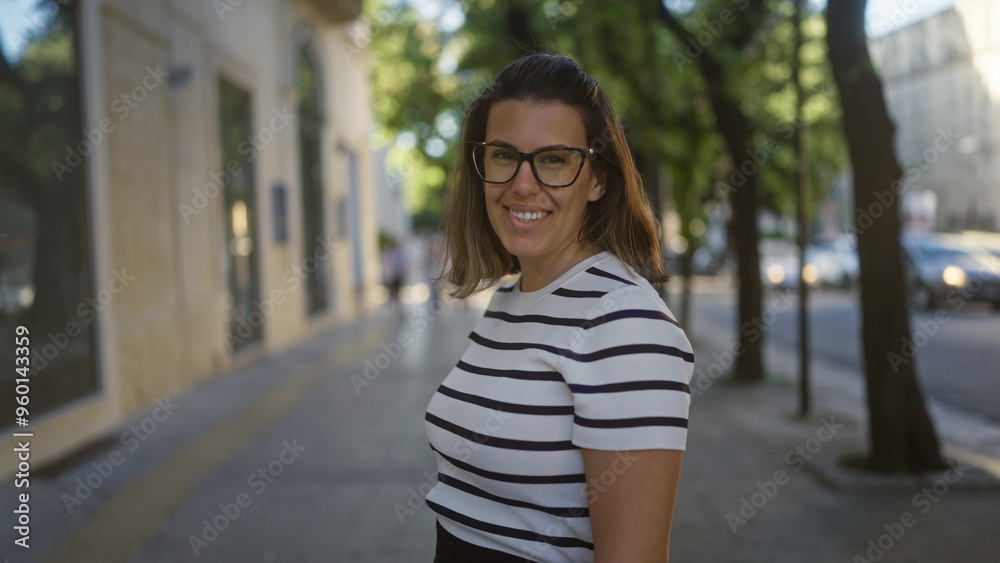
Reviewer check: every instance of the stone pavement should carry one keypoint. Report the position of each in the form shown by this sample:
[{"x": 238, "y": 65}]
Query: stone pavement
[
  {"x": 318, "y": 454},
  {"x": 761, "y": 484}
]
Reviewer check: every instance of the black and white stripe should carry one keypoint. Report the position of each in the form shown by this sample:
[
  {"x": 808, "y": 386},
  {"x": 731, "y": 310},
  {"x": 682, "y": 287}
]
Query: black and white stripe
[{"x": 594, "y": 360}]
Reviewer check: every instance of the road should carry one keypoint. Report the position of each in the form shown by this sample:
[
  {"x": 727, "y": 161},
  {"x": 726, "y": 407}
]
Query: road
[{"x": 957, "y": 351}]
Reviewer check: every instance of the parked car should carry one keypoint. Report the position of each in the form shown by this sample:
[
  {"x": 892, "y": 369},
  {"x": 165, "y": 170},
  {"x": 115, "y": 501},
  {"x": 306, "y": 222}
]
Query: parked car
[
  {"x": 708, "y": 262},
  {"x": 779, "y": 264},
  {"x": 989, "y": 241},
  {"x": 949, "y": 267},
  {"x": 836, "y": 262}
]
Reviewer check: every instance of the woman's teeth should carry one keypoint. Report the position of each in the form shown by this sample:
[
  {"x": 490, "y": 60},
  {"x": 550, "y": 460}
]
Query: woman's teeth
[{"x": 528, "y": 217}]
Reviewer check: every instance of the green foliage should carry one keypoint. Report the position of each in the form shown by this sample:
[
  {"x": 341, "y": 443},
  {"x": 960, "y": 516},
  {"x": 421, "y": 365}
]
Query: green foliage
[
  {"x": 419, "y": 98},
  {"x": 34, "y": 94},
  {"x": 424, "y": 77},
  {"x": 774, "y": 113}
]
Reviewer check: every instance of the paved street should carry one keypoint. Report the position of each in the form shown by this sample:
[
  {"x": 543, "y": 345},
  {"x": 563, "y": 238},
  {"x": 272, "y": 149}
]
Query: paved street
[
  {"x": 318, "y": 454},
  {"x": 335, "y": 500},
  {"x": 958, "y": 352}
]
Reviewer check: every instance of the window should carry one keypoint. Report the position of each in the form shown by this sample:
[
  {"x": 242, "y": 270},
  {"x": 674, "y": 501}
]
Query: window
[
  {"x": 45, "y": 266},
  {"x": 246, "y": 321},
  {"x": 311, "y": 174}
]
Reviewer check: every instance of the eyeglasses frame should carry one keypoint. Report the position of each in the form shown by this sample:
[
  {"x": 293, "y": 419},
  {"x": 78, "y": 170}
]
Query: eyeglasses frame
[{"x": 588, "y": 154}]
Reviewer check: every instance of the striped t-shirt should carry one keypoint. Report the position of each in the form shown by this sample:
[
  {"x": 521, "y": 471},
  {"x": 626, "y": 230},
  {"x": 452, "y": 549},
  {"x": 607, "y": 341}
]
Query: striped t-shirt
[{"x": 593, "y": 360}]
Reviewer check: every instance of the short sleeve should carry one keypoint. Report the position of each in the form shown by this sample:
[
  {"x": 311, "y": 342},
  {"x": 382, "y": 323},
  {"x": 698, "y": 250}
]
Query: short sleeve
[{"x": 628, "y": 370}]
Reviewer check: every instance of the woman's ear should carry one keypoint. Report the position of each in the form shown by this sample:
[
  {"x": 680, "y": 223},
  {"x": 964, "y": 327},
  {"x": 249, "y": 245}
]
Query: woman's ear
[{"x": 597, "y": 184}]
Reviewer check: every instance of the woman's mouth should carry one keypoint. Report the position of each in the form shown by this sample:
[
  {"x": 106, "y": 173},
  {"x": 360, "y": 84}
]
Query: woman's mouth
[{"x": 529, "y": 217}]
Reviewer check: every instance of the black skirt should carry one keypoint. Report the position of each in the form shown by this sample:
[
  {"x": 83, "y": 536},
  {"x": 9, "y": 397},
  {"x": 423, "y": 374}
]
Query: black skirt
[{"x": 451, "y": 549}]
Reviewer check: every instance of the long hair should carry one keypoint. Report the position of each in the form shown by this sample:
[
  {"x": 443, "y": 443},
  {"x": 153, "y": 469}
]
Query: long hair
[{"x": 620, "y": 221}]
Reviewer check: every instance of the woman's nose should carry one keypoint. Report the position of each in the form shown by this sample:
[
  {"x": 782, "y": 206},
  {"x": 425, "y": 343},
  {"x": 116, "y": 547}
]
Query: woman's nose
[{"x": 524, "y": 181}]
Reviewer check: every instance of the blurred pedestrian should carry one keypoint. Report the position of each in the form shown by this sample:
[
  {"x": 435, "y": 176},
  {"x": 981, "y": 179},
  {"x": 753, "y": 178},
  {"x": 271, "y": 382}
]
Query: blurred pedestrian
[
  {"x": 560, "y": 433},
  {"x": 394, "y": 272},
  {"x": 433, "y": 263}
]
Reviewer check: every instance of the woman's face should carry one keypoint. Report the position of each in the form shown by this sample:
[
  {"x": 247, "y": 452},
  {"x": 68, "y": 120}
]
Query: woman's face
[{"x": 552, "y": 237}]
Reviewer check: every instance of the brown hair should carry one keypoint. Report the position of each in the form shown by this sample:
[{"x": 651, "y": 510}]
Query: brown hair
[{"x": 619, "y": 222}]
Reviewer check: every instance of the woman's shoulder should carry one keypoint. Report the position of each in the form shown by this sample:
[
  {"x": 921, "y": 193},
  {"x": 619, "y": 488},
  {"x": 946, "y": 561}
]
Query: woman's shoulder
[
  {"x": 630, "y": 305},
  {"x": 623, "y": 288}
]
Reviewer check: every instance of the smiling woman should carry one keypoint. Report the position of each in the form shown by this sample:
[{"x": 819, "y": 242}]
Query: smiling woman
[
  {"x": 560, "y": 433},
  {"x": 537, "y": 225}
]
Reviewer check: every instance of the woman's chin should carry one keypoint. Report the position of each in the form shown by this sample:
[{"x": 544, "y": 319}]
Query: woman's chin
[{"x": 522, "y": 249}]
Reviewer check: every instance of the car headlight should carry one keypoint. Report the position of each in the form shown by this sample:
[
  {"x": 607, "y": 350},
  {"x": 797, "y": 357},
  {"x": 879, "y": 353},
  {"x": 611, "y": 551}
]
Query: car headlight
[
  {"x": 953, "y": 275},
  {"x": 810, "y": 274},
  {"x": 775, "y": 274}
]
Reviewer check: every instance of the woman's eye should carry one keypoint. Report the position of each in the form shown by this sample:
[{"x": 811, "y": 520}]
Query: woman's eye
[
  {"x": 504, "y": 155},
  {"x": 552, "y": 159}
]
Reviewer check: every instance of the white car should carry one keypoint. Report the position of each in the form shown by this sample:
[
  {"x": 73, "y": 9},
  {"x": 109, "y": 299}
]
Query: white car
[
  {"x": 943, "y": 267},
  {"x": 836, "y": 262},
  {"x": 779, "y": 264}
]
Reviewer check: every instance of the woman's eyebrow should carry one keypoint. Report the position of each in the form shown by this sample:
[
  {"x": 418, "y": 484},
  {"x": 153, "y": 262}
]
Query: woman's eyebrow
[
  {"x": 511, "y": 145},
  {"x": 502, "y": 142}
]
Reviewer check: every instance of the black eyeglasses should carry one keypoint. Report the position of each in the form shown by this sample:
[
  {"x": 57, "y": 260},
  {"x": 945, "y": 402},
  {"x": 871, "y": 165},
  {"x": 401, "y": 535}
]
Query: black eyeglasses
[{"x": 555, "y": 167}]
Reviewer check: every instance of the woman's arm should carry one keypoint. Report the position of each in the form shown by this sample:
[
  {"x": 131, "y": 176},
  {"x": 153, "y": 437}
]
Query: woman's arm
[{"x": 631, "y": 496}]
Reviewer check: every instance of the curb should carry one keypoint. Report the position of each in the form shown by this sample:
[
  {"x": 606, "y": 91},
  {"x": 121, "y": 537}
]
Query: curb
[
  {"x": 960, "y": 476},
  {"x": 969, "y": 437}
]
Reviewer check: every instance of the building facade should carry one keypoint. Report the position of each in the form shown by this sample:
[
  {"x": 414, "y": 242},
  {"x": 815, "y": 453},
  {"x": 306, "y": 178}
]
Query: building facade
[
  {"x": 209, "y": 203},
  {"x": 941, "y": 77}
]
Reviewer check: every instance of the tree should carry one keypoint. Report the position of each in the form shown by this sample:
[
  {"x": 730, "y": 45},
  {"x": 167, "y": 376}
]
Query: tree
[
  {"x": 710, "y": 56},
  {"x": 668, "y": 113},
  {"x": 902, "y": 436},
  {"x": 417, "y": 101}
]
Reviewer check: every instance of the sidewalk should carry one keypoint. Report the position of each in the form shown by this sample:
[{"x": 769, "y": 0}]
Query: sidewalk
[
  {"x": 318, "y": 454},
  {"x": 760, "y": 484},
  {"x": 290, "y": 459}
]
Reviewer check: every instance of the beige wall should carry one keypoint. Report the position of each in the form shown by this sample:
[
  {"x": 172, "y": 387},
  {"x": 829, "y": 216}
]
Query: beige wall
[
  {"x": 941, "y": 77},
  {"x": 166, "y": 330}
]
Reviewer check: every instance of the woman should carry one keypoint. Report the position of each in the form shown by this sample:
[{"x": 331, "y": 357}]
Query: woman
[{"x": 559, "y": 434}]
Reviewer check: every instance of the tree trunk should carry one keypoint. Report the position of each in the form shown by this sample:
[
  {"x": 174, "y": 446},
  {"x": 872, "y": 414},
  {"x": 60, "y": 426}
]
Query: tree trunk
[
  {"x": 735, "y": 128},
  {"x": 743, "y": 234},
  {"x": 649, "y": 172},
  {"x": 687, "y": 270},
  {"x": 902, "y": 436}
]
